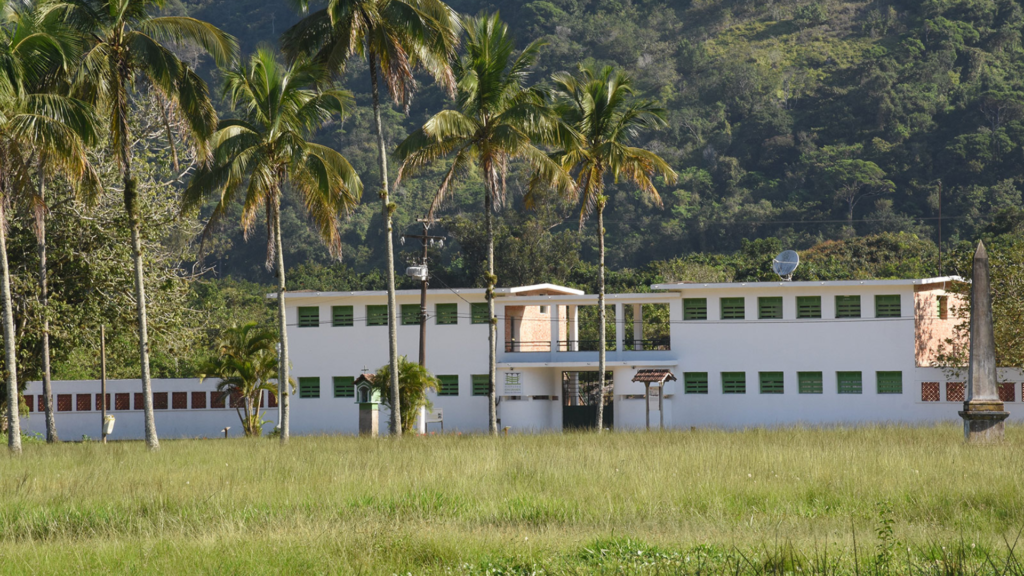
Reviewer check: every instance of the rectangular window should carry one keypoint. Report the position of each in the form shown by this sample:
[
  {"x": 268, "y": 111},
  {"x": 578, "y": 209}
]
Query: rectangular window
[
  {"x": 199, "y": 400},
  {"x": 849, "y": 382},
  {"x": 377, "y": 315},
  {"x": 771, "y": 382},
  {"x": 481, "y": 384},
  {"x": 42, "y": 403},
  {"x": 449, "y": 385},
  {"x": 122, "y": 401},
  {"x": 1006, "y": 392},
  {"x": 159, "y": 400},
  {"x": 237, "y": 400},
  {"x": 410, "y": 314},
  {"x": 271, "y": 400},
  {"x": 447, "y": 314},
  {"x": 99, "y": 402},
  {"x": 478, "y": 313},
  {"x": 695, "y": 308},
  {"x": 341, "y": 316},
  {"x": 179, "y": 401},
  {"x": 139, "y": 403},
  {"x": 83, "y": 402},
  {"x": 929, "y": 392},
  {"x": 695, "y": 382},
  {"x": 890, "y": 382},
  {"x": 809, "y": 382},
  {"x": 543, "y": 309},
  {"x": 344, "y": 387},
  {"x": 847, "y": 306},
  {"x": 309, "y": 316},
  {"x": 734, "y": 383},
  {"x": 732, "y": 309},
  {"x": 218, "y": 399},
  {"x": 955, "y": 391},
  {"x": 769, "y": 308},
  {"x": 28, "y": 402},
  {"x": 942, "y": 303},
  {"x": 309, "y": 387},
  {"x": 808, "y": 306},
  {"x": 887, "y": 306}
]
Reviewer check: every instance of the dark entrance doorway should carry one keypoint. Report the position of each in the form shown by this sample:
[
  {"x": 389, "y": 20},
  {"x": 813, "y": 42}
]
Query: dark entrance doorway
[{"x": 580, "y": 395}]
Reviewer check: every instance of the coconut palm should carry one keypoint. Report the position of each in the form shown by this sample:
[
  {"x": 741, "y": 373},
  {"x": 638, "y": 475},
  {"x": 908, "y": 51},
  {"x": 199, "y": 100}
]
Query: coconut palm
[
  {"x": 395, "y": 37},
  {"x": 414, "y": 382},
  {"x": 266, "y": 148},
  {"x": 124, "y": 46},
  {"x": 497, "y": 120},
  {"x": 246, "y": 365},
  {"x": 603, "y": 116},
  {"x": 33, "y": 121}
]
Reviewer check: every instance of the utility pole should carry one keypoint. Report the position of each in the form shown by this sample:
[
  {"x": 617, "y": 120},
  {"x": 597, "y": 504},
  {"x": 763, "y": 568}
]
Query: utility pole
[
  {"x": 103, "y": 383},
  {"x": 427, "y": 240}
]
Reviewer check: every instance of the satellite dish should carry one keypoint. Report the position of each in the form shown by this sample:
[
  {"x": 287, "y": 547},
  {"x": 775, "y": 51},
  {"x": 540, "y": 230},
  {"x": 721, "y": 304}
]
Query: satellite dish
[{"x": 785, "y": 264}]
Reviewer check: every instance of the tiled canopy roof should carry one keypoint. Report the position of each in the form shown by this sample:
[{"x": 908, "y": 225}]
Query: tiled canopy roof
[
  {"x": 654, "y": 375},
  {"x": 365, "y": 378}
]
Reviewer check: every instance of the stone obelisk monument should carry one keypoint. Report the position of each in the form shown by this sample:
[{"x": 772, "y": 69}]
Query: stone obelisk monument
[{"x": 983, "y": 412}]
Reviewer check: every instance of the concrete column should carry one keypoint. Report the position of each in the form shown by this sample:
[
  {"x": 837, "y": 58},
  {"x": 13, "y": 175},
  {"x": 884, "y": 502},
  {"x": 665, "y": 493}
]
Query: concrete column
[
  {"x": 638, "y": 326},
  {"x": 553, "y": 312},
  {"x": 619, "y": 327},
  {"x": 574, "y": 328}
]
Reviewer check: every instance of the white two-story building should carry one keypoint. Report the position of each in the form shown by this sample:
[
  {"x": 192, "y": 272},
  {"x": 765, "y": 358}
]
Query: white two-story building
[{"x": 742, "y": 354}]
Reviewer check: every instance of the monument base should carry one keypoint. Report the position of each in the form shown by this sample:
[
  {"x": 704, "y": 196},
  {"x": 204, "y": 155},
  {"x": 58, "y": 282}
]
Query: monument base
[
  {"x": 368, "y": 420},
  {"x": 983, "y": 421}
]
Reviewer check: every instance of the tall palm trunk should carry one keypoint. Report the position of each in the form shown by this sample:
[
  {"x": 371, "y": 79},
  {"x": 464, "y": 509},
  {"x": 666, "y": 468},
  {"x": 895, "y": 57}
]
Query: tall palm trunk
[
  {"x": 492, "y": 323},
  {"x": 602, "y": 336},
  {"x": 282, "y": 382},
  {"x": 396, "y": 412},
  {"x": 51, "y": 424},
  {"x": 131, "y": 205},
  {"x": 13, "y": 421}
]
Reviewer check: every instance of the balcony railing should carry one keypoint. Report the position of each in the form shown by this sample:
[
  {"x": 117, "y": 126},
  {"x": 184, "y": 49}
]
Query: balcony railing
[
  {"x": 528, "y": 346},
  {"x": 648, "y": 344},
  {"x": 585, "y": 345}
]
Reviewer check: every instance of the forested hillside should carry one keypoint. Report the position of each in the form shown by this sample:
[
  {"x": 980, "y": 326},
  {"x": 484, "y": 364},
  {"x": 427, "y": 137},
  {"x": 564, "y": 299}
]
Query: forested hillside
[{"x": 802, "y": 121}]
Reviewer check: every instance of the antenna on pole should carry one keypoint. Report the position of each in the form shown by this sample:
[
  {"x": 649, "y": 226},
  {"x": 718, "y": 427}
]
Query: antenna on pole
[{"x": 785, "y": 264}]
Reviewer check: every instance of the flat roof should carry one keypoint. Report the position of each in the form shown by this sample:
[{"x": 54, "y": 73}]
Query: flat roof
[
  {"x": 559, "y": 290},
  {"x": 803, "y": 284}
]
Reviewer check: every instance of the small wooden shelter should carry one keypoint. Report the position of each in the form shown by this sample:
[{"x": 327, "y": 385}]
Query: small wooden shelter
[{"x": 655, "y": 377}]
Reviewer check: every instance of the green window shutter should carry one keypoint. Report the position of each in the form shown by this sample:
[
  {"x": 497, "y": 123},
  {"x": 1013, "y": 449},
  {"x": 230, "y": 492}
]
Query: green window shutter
[
  {"x": 769, "y": 308},
  {"x": 849, "y": 382},
  {"x": 343, "y": 387},
  {"x": 695, "y": 308},
  {"x": 734, "y": 383},
  {"x": 847, "y": 306},
  {"x": 695, "y": 382},
  {"x": 808, "y": 306},
  {"x": 809, "y": 382},
  {"x": 481, "y": 384},
  {"x": 309, "y": 316},
  {"x": 887, "y": 306},
  {"x": 309, "y": 387},
  {"x": 377, "y": 315},
  {"x": 478, "y": 313},
  {"x": 890, "y": 382},
  {"x": 410, "y": 314},
  {"x": 341, "y": 316},
  {"x": 449, "y": 385},
  {"x": 732, "y": 309},
  {"x": 771, "y": 382},
  {"x": 447, "y": 313}
]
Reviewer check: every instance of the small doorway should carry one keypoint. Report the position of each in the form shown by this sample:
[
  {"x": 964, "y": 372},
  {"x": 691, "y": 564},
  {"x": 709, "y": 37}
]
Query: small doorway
[{"x": 580, "y": 395}]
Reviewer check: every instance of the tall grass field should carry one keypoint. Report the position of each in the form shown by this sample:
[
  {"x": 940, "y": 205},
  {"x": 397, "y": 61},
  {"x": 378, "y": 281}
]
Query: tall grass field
[{"x": 842, "y": 500}]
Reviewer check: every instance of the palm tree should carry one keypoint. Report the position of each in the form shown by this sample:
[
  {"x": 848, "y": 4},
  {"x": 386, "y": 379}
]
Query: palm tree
[
  {"x": 396, "y": 36},
  {"x": 266, "y": 148},
  {"x": 32, "y": 121},
  {"x": 497, "y": 120},
  {"x": 599, "y": 109},
  {"x": 414, "y": 382},
  {"x": 246, "y": 364},
  {"x": 123, "y": 46}
]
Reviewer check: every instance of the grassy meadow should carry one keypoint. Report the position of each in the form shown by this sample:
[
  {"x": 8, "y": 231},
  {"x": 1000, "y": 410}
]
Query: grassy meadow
[{"x": 864, "y": 500}]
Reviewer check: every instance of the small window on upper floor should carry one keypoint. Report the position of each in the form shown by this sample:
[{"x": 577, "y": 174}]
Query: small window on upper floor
[
  {"x": 695, "y": 382},
  {"x": 695, "y": 308},
  {"x": 808, "y": 306},
  {"x": 769, "y": 308},
  {"x": 478, "y": 313},
  {"x": 732, "y": 309},
  {"x": 887, "y": 306},
  {"x": 942, "y": 303},
  {"x": 341, "y": 316},
  {"x": 447, "y": 314},
  {"x": 377, "y": 315},
  {"x": 410, "y": 314},
  {"x": 543, "y": 309},
  {"x": 847, "y": 306},
  {"x": 448, "y": 385},
  {"x": 309, "y": 316}
]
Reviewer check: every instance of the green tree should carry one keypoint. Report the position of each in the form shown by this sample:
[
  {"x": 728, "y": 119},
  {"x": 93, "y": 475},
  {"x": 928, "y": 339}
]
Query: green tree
[
  {"x": 245, "y": 363},
  {"x": 394, "y": 36},
  {"x": 124, "y": 45},
  {"x": 602, "y": 118},
  {"x": 413, "y": 383},
  {"x": 266, "y": 148},
  {"x": 497, "y": 120}
]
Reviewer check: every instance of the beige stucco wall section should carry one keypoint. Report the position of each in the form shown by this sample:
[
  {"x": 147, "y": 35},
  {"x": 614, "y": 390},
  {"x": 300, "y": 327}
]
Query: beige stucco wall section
[{"x": 930, "y": 331}]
